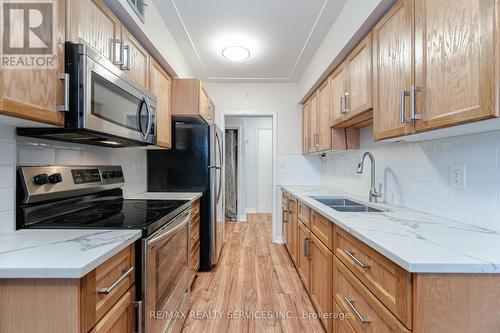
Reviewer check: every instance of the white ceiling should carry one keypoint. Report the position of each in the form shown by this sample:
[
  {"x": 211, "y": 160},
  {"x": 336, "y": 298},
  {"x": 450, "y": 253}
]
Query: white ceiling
[{"x": 282, "y": 35}]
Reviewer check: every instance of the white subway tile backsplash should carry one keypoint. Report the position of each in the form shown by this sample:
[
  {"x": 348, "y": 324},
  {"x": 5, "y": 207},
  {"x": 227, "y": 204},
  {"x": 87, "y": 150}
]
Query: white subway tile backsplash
[
  {"x": 7, "y": 221},
  {"x": 36, "y": 156},
  {"x": 7, "y": 201},
  {"x": 417, "y": 175}
]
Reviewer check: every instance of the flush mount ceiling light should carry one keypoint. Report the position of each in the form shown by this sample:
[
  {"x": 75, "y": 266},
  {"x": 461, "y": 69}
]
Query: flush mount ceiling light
[{"x": 236, "y": 53}]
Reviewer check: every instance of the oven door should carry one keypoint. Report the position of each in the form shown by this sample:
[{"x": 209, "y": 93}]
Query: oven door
[
  {"x": 166, "y": 277},
  {"x": 115, "y": 104}
]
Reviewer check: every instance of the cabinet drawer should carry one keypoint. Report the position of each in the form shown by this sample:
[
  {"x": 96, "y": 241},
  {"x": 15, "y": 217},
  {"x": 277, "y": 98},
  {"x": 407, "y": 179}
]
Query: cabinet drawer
[
  {"x": 341, "y": 324},
  {"x": 121, "y": 317},
  {"x": 195, "y": 208},
  {"x": 322, "y": 228},
  {"x": 365, "y": 312},
  {"x": 304, "y": 213},
  {"x": 105, "y": 285},
  {"x": 391, "y": 284}
]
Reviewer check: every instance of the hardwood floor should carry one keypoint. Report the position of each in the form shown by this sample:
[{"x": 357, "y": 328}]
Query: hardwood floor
[{"x": 254, "y": 288}]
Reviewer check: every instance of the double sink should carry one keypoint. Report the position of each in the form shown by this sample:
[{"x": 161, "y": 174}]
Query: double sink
[{"x": 346, "y": 205}]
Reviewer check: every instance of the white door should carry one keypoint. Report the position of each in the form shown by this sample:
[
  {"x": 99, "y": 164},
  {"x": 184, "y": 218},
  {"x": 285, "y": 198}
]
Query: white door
[{"x": 264, "y": 170}]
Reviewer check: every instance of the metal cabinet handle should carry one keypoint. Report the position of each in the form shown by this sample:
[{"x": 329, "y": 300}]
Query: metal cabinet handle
[
  {"x": 404, "y": 120},
  {"x": 138, "y": 305},
  {"x": 308, "y": 248},
  {"x": 413, "y": 92},
  {"x": 117, "y": 282},
  {"x": 356, "y": 312},
  {"x": 316, "y": 140},
  {"x": 346, "y": 96},
  {"x": 285, "y": 215},
  {"x": 342, "y": 104},
  {"x": 356, "y": 260},
  {"x": 126, "y": 58},
  {"x": 118, "y": 43},
  {"x": 305, "y": 247},
  {"x": 65, "y": 107}
]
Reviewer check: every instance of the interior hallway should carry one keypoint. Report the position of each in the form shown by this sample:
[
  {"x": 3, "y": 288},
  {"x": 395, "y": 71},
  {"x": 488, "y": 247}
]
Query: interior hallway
[{"x": 253, "y": 275}]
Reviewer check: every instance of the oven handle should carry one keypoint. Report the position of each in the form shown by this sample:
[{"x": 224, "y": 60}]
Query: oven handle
[{"x": 168, "y": 231}]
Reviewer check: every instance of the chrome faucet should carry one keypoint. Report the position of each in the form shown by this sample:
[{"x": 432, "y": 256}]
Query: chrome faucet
[{"x": 374, "y": 194}]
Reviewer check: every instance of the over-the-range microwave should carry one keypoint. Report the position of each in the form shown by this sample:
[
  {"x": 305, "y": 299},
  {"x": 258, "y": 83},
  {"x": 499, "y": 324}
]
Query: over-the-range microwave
[{"x": 104, "y": 105}]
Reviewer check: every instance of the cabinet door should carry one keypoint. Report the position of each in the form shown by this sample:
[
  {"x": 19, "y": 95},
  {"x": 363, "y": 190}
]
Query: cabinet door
[
  {"x": 135, "y": 59},
  {"x": 93, "y": 23},
  {"x": 292, "y": 229},
  {"x": 324, "y": 130},
  {"x": 313, "y": 124},
  {"x": 35, "y": 94},
  {"x": 321, "y": 281},
  {"x": 160, "y": 86},
  {"x": 204, "y": 105},
  {"x": 284, "y": 218},
  {"x": 455, "y": 62},
  {"x": 211, "y": 111},
  {"x": 121, "y": 317},
  {"x": 303, "y": 259},
  {"x": 359, "y": 77},
  {"x": 305, "y": 127},
  {"x": 393, "y": 71},
  {"x": 337, "y": 94}
]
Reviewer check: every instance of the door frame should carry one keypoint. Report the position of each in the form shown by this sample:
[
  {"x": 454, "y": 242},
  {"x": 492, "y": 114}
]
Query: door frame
[
  {"x": 257, "y": 146},
  {"x": 276, "y": 224}
]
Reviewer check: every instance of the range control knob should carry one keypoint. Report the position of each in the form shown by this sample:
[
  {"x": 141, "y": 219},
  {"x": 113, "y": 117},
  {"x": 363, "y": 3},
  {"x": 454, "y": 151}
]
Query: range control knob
[
  {"x": 41, "y": 179},
  {"x": 55, "y": 178},
  {"x": 108, "y": 174}
]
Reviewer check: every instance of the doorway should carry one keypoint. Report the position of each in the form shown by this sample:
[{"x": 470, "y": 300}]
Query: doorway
[
  {"x": 248, "y": 166},
  {"x": 231, "y": 174}
]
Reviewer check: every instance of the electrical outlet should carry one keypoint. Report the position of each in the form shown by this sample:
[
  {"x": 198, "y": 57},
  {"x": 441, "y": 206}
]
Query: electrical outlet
[{"x": 457, "y": 176}]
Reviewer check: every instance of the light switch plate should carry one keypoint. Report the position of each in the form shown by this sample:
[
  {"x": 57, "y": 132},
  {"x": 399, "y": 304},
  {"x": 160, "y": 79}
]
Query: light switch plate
[{"x": 458, "y": 176}]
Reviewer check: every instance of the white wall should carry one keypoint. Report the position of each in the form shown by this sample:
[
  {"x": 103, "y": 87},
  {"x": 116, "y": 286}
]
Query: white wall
[
  {"x": 26, "y": 151},
  {"x": 416, "y": 175},
  {"x": 353, "y": 22},
  {"x": 247, "y": 139},
  {"x": 154, "y": 34}
]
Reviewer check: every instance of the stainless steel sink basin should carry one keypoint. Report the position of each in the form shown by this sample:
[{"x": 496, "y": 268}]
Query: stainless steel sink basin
[{"x": 346, "y": 205}]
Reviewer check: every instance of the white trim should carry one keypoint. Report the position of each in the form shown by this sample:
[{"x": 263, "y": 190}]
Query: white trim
[
  {"x": 278, "y": 240},
  {"x": 242, "y": 218},
  {"x": 251, "y": 211},
  {"x": 277, "y": 228}
]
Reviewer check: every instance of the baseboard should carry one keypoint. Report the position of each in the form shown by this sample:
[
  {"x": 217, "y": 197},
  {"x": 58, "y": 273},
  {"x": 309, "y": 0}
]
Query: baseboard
[
  {"x": 278, "y": 240},
  {"x": 251, "y": 210},
  {"x": 242, "y": 218}
]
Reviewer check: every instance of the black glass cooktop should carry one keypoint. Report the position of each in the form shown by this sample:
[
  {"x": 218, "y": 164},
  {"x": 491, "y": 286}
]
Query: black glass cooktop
[{"x": 118, "y": 214}]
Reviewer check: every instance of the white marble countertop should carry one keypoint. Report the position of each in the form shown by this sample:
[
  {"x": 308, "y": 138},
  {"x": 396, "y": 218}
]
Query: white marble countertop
[
  {"x": 418, "y": 242},
  {"x": 68, "y": 253},
  {"x": 191, "y": 196},
  {"x": 51, "y": 253}
]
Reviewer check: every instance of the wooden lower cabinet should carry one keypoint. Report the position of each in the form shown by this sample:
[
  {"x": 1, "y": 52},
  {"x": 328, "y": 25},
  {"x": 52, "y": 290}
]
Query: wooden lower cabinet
[
  {"x": 293, "y": 229},
  {"x": 194, "y": 241},
  {"x": 320, "y": 277},
  {"x": 73, "y": 305},
  {"x": 120, "y": 318},
  {"x": 303, "y": 260}
]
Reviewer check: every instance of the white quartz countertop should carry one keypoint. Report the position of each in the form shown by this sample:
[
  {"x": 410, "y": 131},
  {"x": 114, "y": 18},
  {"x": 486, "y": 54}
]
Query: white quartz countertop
[
  {"x": 418, "y": 242},
  {"x": 191, "y": 196},
  {"x": 68, "y": 253}
]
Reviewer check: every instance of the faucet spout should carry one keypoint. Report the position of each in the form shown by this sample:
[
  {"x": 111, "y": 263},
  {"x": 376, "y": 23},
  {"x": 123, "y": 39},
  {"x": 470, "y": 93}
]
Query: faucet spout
[{"x": 374, "y": 195}]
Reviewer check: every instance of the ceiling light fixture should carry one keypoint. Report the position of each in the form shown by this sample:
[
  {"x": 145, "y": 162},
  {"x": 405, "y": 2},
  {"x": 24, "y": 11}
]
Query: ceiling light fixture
[{"x": 236, "y": 53}]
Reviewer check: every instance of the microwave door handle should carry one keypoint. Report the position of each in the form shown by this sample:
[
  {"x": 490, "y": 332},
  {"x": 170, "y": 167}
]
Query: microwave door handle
[{"x": 150, "y": 118}]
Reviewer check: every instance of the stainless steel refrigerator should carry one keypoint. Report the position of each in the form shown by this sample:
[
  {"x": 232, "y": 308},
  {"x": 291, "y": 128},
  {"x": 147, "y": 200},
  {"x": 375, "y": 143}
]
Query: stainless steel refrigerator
[{"x": 194, "y": 164}]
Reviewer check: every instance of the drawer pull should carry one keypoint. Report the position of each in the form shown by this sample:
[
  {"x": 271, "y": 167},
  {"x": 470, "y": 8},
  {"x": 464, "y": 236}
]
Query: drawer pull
[
  {"x": 356, "y": 260},
  {"x": 356, "y": 312},
  {"x": 117, "y": 282}
]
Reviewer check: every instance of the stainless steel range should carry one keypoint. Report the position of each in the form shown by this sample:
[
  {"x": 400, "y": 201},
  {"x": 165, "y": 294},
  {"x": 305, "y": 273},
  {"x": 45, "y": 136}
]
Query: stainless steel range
[{"x": 91, "y": 197}]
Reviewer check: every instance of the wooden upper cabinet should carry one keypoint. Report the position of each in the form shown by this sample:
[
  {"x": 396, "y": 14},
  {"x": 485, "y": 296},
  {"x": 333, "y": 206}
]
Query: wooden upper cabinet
[
  {"x": 21, "y": 93},
  {"x": 313, "y": 124},
  {"x": 455, "y": 62},
  {"x": 135, "y": 59},
  {"x": 324, "y": 138},
  {"x": 91, "y": 22},
  {"x": 189, "y": 97},
  {"x": 356, "y": 108},
  {"x": 393, "y": 71},
  {"x": 305, "y": 127},
  {"x": 160, "y": 85},
  {"x": 337, "y": 95}
]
